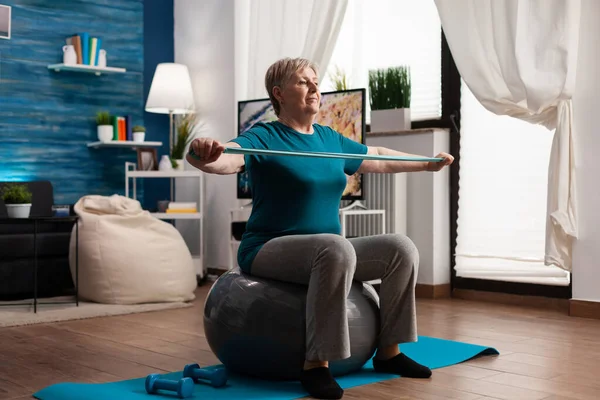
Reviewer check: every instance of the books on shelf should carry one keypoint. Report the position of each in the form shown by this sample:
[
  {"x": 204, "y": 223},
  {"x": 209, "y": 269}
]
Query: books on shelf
[
  {"x": 122, "y": 128},
  {"x": 86, "y": 47},
  {"x": 182, "y": 207}
]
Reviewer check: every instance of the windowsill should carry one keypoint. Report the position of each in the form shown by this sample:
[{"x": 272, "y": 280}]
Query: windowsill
[
  {"x": 418, "y": 127},
  {"x": 406, "y": 132}
]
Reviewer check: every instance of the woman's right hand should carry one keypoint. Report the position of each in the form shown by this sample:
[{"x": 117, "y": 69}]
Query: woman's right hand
[{"x": 206, "y": 150}]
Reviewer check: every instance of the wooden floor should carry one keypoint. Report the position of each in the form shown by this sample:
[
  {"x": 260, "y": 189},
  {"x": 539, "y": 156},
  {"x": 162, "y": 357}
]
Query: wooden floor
[{"x": 544, "y": 354}]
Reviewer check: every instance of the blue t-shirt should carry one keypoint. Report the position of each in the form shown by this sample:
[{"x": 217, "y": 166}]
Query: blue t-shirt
[{"x": 293, "y": 195}]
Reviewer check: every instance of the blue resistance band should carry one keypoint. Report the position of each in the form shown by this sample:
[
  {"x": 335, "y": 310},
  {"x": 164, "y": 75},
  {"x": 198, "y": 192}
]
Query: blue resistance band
[{"x": 239, "y": 150}]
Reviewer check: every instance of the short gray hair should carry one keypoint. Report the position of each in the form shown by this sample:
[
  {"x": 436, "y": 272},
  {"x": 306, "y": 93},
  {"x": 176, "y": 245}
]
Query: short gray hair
[{"x": 280, "y": 72}]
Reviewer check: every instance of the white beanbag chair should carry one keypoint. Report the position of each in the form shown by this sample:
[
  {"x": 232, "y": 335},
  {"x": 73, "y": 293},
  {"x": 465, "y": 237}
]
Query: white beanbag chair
[{"x": 126, "y": 256}]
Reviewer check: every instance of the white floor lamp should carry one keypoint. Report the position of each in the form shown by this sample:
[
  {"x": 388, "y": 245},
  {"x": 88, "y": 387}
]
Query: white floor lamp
[{"x": 171, "y": 93}]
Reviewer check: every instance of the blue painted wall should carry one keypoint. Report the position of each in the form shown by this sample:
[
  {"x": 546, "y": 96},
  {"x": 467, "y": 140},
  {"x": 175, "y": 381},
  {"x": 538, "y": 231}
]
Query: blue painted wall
[
  {"x": 158, "y": 48},
  {"x": 47, "y": 117}
]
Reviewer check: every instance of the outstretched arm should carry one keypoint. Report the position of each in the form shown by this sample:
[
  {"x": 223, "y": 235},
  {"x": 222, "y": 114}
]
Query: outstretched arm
[
  {"x": 208, "y": 157},
  {"x": 390, "y": 167}
]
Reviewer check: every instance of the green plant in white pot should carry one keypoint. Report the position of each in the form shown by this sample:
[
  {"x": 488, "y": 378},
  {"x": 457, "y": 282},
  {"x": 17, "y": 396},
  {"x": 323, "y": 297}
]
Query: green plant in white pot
[
  {"x": 390, "y": 95},
  {"x": 339, "y": 78},
  {"x": 139, "y": 133},
  {"x": 104, "y": 122},
  {"x": 186, "y": 127},
  {"x": 17, "y": 198}
]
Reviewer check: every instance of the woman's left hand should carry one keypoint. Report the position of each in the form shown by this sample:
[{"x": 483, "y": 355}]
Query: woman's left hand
[{"x": 437, "y": 166}]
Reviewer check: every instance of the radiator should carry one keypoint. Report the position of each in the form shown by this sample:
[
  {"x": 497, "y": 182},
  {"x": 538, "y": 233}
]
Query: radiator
[{"x": 381, "y": 191}]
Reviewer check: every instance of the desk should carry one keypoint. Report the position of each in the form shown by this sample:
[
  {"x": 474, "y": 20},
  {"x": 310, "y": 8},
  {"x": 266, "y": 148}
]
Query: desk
[{"x": 36, "y": 221}]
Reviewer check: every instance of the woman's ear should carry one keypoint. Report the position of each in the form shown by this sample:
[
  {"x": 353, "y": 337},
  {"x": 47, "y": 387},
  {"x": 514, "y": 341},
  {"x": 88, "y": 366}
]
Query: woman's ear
[{"x": 277, "y": 93}]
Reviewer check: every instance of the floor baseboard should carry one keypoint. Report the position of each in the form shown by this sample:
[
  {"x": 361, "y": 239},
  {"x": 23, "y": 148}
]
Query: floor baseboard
[
  {"x": 442, "y": 291},
  {"x": 584, "y": 309},
  {"x": 512, "y": 299}
]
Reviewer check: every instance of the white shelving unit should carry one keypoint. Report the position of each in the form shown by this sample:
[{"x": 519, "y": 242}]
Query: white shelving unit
[
  {"x": 90, "y": 69},
  {"x": 123, "y": 143},
  {"x": 160, "y": 174},
  {"x": 177, "y": 215},
  {"x": 132, "y": 173}
]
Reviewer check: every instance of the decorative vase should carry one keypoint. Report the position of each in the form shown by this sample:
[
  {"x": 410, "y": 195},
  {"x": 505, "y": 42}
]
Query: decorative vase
[
  {"x": 165, "y": 164},
  {"x": 18, "y": 210},
  {"x": 139, "y": 137},
  {"x": 69, "y": 55},
  {"x": 102, "y": 58},
  {"x": 392, "y": 120},
  {"x": 179, "y": 165},
  {"x": 105, "y": 133}
]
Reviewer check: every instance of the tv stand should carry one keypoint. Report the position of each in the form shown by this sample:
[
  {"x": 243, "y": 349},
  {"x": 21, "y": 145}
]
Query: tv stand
[{"x": 354, "y": 204}]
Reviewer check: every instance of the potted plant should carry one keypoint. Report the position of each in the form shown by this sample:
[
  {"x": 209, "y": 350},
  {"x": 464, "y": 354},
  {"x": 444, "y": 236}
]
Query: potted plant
[
  {"x": 17, "y": 198},
  {"x": 139, "y": 133},
  {"x": 105, "y": 127},
  {"x": 390, "y": 94},
  {"x": 184, "y": 134},
  {"x": 339, "y": 79}
]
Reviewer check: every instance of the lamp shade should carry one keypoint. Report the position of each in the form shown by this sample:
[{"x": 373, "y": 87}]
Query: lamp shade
[{"x": 171, "y": 90}]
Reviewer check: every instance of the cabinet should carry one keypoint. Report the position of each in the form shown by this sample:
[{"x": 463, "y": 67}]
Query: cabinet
[{"x": 132, "y": 174}]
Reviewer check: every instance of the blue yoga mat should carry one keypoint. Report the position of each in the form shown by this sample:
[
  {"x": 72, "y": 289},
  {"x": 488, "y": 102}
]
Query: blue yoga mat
[{"x": 435, "y": 353}]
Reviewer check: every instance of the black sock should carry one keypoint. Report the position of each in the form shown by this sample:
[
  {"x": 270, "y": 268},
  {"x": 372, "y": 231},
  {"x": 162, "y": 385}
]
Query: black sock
[
  {"x": 319, "y": 383},
  {"x": 402, "y": 365}
]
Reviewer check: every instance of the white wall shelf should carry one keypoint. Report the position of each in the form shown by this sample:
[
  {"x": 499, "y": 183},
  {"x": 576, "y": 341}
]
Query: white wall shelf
[
  {"x": 123, "y": 143},
  {"x": 163, "y": 174},
  {"x": 91, "y": 69}
]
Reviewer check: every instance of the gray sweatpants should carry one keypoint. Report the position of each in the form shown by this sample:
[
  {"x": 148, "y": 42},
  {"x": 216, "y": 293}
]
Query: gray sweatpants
[{"x": 328, "y": 263}]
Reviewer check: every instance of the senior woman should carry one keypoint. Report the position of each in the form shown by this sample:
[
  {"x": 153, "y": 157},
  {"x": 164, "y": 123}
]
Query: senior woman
[{"x": 293, "y": 233}]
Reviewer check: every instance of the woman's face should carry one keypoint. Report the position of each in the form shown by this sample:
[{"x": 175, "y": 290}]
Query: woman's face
[{"x": 301, "y": 93}]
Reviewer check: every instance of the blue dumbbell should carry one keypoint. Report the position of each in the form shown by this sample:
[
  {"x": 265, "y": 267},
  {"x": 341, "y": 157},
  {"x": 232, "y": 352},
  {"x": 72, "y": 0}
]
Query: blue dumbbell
[
  {"x": 184, "y": 387},
  {"x": 217, "y": 377}
]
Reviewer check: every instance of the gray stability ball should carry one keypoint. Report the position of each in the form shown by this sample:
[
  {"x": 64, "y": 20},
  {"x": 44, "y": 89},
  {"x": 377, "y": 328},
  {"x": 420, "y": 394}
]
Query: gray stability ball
[{"x": 257, "y": 327}]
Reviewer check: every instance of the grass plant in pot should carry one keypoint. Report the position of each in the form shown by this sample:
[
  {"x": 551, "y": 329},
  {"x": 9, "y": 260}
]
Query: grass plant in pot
[
  {"x": 390, "y": 94},
  {"x": 139, "y": 133},
  {"x": 104, "y": 123},
  {"x": 17, "y": 198},
  {"x": 339, "y": 78},
  {"x": 186, "y": 127}
]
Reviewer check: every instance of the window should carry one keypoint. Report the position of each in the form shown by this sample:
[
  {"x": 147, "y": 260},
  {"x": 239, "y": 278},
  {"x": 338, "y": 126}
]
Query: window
[
  {"x": 502, "y": 198},
  {"x": 385, "y": 33}
]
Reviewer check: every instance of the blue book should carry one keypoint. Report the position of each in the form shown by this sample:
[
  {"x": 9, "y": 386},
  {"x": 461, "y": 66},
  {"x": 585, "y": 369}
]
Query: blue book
[
  {"x": 128, "y": 128},
  {"x": 85, "y": 48},
  {"x": 98, "y": 47}
]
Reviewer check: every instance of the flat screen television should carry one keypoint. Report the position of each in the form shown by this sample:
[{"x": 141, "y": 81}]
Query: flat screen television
[{"x": 343, "y": 110}]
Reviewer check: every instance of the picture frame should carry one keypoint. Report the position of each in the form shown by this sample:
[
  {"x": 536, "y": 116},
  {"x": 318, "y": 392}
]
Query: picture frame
[
  {"x": 5, "y": 19},
  {"x": 147, "y": 159}
]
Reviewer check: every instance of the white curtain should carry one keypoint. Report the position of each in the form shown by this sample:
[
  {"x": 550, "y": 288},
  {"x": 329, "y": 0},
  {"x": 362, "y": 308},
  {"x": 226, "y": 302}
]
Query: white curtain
[
  {"x": 267, "y": 30},
  {"x": 519, "y": 58}
]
